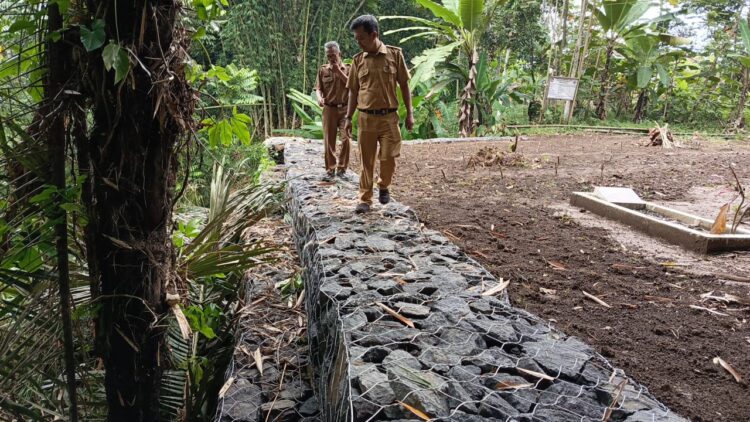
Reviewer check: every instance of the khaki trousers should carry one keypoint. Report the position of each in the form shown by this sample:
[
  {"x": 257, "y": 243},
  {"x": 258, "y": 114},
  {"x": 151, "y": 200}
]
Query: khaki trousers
[
  {"x": 333, "y": 121},
  {"x": 374, "y": 131}
]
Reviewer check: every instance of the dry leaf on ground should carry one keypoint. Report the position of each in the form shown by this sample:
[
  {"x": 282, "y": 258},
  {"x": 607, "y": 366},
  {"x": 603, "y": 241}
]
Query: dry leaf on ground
[
  {"x": 557, "y": 265},
  {"x": 225, "y": 388},
  {"x": 536, "y": 374},
  {"x": 497, "y": 289},
  {"x": 719, "y": 361},
  {"x": 504, "y": 385},
  {"x": 550, "y": 292},
  {"x": 258, "y": 356},
  {"x": 720, "y": 224},
  {"x": 391, "y": 312},
  {"x": 711, "y": 311},
  {"x": 420, "y": 414},
  {"x": 596, "y": 299}
]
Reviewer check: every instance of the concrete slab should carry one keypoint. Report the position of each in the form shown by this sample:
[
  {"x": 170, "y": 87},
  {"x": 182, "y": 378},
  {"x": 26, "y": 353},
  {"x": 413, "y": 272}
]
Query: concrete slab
[
  {"x": 673, "y": 232},
  {"x": 624, "y": 197}
]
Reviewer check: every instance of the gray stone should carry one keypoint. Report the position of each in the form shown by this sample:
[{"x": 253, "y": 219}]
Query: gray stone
[
  {"x": 336, "y": 291},
  {"x": 456, "y": 307},
  {"x": 354, "y": 321},
  {"x": 242, "y": 402},
  {"x": 559, "y": 358},
  {"x": 481, "y": 306},
  {"x": 439, "y": 360},
  {"x": 460, "y": 342},
  {"x": 459, "y": 398},
  {"x": 543, "y": 413},
  {"x": 375, "y": 386},
  {"x": 573, "y": 398},
  {"x": 412, "y": 310},
  {"x": 295, "y": 390},
  {"x": 494, "y": 406},
  {"x": 377, "y": 243},
  {"x": 470, "y": 379},
  {"x": 278, "y": 405},
  {"x": 654, "y": 416},
  {"x": 420, "y": 389},
  {"x": 460, "y": 416},
  {"x": 375, "y": 354},
  {"x": 402, "y": 358},
  {"x": 385, "y": 286},
  {"x": 384, "y": 333},
  {"x": 364, "y": 409},
  {"x": 310, "y": 407},
  {"x": 491, "y": 359},
  {"x": 346, "y": 240},
  {"x": 496, "y": 332},
  {"x": 523, "y": 398},
  {"x": 468, "y": 373}
]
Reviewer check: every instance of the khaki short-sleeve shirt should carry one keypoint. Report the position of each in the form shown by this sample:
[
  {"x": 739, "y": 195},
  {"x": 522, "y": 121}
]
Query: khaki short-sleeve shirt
[
  {"x": 373, "y": 77},
  {"x": 332, "y": 85}
]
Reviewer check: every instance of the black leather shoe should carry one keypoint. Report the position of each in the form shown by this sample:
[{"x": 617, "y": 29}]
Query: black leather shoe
[
  {"x": 362, "y": 208},
  {"x": 383, "y": 196},
  {"x": 328, "y": 177},
  {"x": 341, "y": 174}
]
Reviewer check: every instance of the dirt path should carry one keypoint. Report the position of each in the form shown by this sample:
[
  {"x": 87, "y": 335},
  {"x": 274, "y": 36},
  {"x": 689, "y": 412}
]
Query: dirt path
[{"x": 514, "y": 219}]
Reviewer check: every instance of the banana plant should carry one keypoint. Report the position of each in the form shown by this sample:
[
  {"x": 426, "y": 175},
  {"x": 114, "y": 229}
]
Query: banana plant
[
  {"x": 460, "y": 25},
  {"x": 491, "y": 88},
  {"x": 618, "y": 19},
  {"x": 646, "y": 57}
]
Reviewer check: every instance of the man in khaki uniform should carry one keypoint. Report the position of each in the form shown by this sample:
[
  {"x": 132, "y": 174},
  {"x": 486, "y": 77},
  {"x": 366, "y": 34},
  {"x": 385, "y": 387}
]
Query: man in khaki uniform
[
  {"x": 372, "y": 90},
  {"x": 333, "y": 97}
]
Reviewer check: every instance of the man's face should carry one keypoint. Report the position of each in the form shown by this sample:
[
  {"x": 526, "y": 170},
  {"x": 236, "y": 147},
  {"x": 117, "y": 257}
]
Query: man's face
[
  {"x": 333, "y": 55},
  {"x": 367, "y": 42}
]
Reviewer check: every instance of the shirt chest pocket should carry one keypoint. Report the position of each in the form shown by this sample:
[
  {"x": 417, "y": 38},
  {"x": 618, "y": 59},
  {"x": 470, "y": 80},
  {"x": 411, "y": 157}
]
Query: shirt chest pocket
[
  {"x": 364, "y": 77},
  {"x": 390, "y": 69},
  {"x": 327, "y": 78}
]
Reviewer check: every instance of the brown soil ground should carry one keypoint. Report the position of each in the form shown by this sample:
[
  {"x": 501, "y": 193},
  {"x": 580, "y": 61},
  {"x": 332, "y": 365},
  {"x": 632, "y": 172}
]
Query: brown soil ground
[{"x": 511, "y": 214}]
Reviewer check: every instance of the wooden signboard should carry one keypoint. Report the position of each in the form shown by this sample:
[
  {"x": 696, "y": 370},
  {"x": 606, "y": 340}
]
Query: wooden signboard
[{"x": 561, "y": 88}]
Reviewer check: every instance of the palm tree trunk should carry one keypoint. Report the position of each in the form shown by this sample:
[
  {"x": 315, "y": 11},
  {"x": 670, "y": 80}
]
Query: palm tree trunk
[
  {"x": 601, "y": 108},
  {"x": 466, "y": 112},
  {"x": 136, "y": 128}
]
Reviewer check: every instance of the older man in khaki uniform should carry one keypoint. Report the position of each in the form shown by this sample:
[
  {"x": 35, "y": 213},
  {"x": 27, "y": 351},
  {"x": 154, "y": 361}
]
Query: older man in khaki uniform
[
  {"x": 333, "y": 97},
  {"x": 372, "y": 90}
]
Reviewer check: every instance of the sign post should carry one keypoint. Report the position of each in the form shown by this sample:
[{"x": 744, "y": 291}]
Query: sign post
[{"x": 564, "y": 89}]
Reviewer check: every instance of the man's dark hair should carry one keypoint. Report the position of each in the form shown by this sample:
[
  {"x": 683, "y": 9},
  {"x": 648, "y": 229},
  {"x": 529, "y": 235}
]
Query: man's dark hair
[{"x": 366, "y": 22}]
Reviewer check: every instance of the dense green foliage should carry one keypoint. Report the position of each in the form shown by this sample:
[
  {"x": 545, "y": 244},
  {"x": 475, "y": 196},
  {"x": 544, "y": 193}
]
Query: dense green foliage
[
  {"x": 210, "y": 254},
  {"x": 636, "y": 61},
  {"x": 477, "y": 65}
]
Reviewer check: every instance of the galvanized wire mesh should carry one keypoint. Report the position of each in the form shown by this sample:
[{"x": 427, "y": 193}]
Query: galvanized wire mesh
[
  {"x": 271, "y": 330},
  {"x": 400, "y": 328}
]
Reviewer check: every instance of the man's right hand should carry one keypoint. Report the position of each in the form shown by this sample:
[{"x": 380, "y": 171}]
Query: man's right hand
[
  {"x": 348, "y": 126},
  {"x": 321, "y": 102}
]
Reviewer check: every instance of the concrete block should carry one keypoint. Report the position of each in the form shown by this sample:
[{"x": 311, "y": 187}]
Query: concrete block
[{"x": 624, "y": 197}]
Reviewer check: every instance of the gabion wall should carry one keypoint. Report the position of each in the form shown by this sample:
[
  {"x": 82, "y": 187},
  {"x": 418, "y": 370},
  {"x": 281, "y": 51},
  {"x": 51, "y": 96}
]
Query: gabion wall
[{"x": 399, "y": 328}]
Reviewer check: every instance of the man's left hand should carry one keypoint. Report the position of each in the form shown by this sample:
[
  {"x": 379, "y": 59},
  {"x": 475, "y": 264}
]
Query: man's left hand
[
  {"x": 339, "y": 71},
  {"x": 409, "y": 122}
]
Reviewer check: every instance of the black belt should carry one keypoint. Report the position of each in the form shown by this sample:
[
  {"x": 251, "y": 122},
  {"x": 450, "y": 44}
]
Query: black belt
[
  {"x": 335, "y": 105},
  {"x": 380, "y": 112}
]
